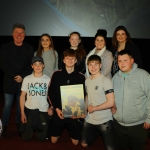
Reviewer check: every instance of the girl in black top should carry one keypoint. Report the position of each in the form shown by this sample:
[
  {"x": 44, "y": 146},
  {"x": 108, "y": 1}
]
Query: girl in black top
[
  {"x": 121, "y": 40},
  {"x": 76, "y": 44}
]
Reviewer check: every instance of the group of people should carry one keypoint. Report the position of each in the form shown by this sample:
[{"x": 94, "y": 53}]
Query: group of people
[{"x": 116, "y": 89}]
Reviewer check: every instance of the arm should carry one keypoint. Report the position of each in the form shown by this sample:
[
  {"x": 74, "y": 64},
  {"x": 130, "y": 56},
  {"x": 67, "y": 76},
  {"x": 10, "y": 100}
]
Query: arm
[
  {"x": 106, "y": 105},
  {"x": 147, "y": 92},
  {"x": 27, "y": 69},
  {"x": 59, "y": 113},
  {"x": 22, "y": 104},
  {"x": 114, "y": 109},
  {"x": 86, "y": 67},
  {"x": 18, "y": 78},
  {"x": 56, "y": 67},
  {"x": 86, "y": 104},
  {"x": 53, "y": 93},
  {"x": 107, "y": 61},
  {"x": 82, "y": 65},
  {"x": 4, "y": 60},
  {"x": 50, "y": 109}
]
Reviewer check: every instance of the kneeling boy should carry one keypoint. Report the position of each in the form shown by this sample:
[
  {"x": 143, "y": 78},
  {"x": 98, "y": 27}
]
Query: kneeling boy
[
  {"x": 33, "y": 102},
  {"x": 67, "y": 76},
  {"x": 100, "y": 98}
]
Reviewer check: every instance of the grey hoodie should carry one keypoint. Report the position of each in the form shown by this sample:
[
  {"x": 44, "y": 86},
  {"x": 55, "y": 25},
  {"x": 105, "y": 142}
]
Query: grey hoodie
[{"x": 132, "y": 97}]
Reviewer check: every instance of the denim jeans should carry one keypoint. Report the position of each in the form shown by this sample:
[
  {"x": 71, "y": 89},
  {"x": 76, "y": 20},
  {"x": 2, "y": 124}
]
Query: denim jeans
[{"x": 8, "y": 101}]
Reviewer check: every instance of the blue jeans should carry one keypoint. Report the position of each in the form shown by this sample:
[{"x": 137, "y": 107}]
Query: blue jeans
[{"x": 8, "y": 101}]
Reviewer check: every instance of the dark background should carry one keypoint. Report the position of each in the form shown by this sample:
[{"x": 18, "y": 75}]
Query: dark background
[
  {"x": 62, "y": 42},
  {"x": 61, "y": 17}
]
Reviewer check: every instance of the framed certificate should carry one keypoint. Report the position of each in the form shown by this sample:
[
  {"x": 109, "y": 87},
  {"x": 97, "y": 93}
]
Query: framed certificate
[{"x": 72, "y": 99}]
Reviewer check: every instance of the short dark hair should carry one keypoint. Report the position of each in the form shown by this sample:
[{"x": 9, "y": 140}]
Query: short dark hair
[
  {"x": 94, "y": 58},
  {"x": 125, "y": 52},
  {"x": 18, "y": 25},
  {"x": 69, "y": 52}
]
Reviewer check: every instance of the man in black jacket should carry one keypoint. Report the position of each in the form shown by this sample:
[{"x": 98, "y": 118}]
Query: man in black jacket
[{"x": 15, "y": 58}]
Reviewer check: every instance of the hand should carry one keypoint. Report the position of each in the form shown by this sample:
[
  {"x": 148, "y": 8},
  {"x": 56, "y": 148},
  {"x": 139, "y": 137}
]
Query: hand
[
  {"x": 50, "y": 111},
  {"x": 91, "y": 108},
  {"x": 83, "y": 115},
  {"x": 146, "y": 125},
  {"x": 18, "y": 78},
  {"x": 114, "y": 109},
  {"x": 59, "y": 113},
  {"x": 23, "y": 118},
  {"x": 73, "y": 117}
]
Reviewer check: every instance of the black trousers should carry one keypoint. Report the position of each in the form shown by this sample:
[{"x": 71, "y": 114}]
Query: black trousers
[
  {"x": 28, "y": 129},
  {"x": 130, "y": 137}
]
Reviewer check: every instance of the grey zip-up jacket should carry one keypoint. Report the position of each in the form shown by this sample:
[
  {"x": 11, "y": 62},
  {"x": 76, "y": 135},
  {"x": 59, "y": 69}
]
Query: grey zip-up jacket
[{"x": 132, "y": 97}]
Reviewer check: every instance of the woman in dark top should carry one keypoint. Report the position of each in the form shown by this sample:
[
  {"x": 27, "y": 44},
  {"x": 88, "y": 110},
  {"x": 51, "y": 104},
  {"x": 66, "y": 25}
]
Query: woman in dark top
[
  {"x": 121, "y": 40},
  {"x": 76, "y": 44}
]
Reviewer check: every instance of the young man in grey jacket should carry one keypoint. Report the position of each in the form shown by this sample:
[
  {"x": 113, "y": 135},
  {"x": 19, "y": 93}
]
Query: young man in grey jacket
[{"x": 132, "y": 103}]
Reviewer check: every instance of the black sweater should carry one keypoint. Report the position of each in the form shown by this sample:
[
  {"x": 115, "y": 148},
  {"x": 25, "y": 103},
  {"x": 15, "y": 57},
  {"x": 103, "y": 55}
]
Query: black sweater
[
  {"x": 60, "y": 78},
  {"x": 15, "y": 60}
]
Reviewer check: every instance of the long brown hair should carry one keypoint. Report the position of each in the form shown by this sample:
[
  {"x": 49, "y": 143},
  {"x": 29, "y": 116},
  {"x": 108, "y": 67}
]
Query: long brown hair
[
  {"x": 114, "y": 39},
  {"x": 80, "y": 52},
  {"x": 40, "y": 48}
]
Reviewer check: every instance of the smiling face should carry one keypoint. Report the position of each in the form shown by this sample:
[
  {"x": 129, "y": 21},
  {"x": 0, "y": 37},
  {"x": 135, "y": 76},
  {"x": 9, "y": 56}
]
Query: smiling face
[
  {"x": 94, "y": 67},
  {"x": 121, "y": 36},
  {"x": 74, "y": 40},
  {"x": 99, "y": 42},
  {"x": 70, "y": 61},
  {"x": 18, "y": 36},
  {"x": 45, "y": 42},
  {"x": 125, "y": 63},
  {"x": 38, "y": 67}
]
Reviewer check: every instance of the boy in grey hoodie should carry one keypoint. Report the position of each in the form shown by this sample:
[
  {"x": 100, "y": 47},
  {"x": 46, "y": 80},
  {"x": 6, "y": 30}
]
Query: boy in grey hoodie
[{"x": 132, "y": 103}]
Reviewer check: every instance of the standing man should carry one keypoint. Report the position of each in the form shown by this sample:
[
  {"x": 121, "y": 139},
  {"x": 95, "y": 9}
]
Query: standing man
[
  {"x": 132, "y": 99},
  {"x": 15, "y": 60}
]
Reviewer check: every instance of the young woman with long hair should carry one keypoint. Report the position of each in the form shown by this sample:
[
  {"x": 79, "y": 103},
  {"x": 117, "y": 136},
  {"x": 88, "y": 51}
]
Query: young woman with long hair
[
  {"x": 50, "y": 56},
  {"x": 76, "y": 44}
]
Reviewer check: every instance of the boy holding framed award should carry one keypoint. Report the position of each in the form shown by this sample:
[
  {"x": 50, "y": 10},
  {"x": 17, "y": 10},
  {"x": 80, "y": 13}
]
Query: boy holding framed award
[{"x": 66, "y": 93}]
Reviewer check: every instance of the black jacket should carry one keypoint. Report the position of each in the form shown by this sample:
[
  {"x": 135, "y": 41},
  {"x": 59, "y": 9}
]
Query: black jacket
[
  {"x": 15, "y": 60},
  {"x": 60, "y": 78}
]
